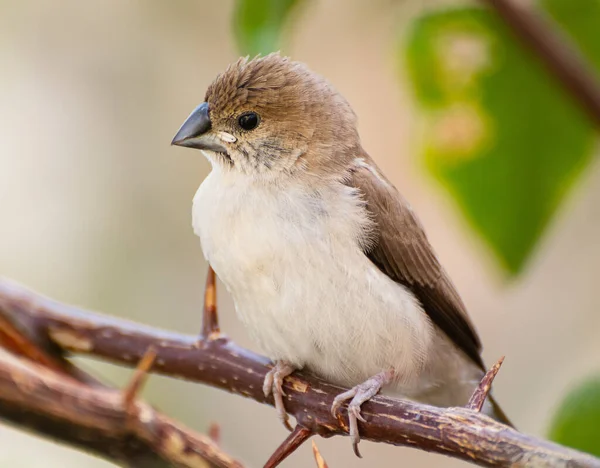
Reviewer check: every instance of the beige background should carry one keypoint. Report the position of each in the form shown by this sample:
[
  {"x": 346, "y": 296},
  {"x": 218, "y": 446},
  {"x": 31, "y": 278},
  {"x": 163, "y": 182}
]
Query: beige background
[{"x": 95, "y": 205}]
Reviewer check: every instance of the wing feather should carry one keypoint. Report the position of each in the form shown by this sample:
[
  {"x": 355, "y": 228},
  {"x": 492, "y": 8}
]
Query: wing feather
[{"x": 402, "y": 251}]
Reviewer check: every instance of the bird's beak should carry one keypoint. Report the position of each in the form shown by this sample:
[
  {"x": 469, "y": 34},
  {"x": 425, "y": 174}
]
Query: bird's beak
[{"x": 195, "y": 132}]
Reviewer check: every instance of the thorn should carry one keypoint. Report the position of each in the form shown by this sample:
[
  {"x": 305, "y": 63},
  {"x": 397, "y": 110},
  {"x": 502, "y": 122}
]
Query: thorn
[
  {"x": 321, "y": 463},
  {"x": 210, "y": 319},
  {"x": 483, "y": 389},
  {"x": 214, "y": 432},
  {"x": 356, "y": 449},
  {"x": 298, "y": 436},
  {"x": 138, "y": 379},
  {"x": 17, "y": 343}
]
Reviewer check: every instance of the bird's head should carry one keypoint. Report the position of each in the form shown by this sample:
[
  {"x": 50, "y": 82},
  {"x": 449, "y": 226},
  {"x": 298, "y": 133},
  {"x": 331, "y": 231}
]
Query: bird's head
[{"x": 270, "y": 116}]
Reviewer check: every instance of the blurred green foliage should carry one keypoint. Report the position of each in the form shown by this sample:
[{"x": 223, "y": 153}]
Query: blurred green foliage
[
  {"x": 500, "y": 133},
  {"x": 577, "y": 422},
  {"x": 581, "y": 20},
  {"x": 258, "y": 24}
]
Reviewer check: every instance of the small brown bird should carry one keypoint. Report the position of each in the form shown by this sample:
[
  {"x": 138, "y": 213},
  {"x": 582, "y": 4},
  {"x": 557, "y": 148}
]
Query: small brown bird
[{"x": 328, "y": 266}]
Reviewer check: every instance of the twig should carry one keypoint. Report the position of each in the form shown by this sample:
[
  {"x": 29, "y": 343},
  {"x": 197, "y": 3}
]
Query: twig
[
  {"x": 318, "y": 458},
  {"x": 138, "y": 379},
  {"x": 96, "y": 420},
  {"x": 40, "y": 351},
  {"x": 294, "y": 440},
  {"x": 457, "y": 432},
  {"x": 483, "y": 389},
  {"x": 46, "y": 362},
  {"x": 210, "y": 319},
  {"x": 214, "y": 432},
  {"x": 564, "y": 62}
]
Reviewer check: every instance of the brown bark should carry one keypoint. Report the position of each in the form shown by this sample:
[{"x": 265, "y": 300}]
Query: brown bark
[
  {"x": 44, "y": 393},
  {"x": 458, "y": 432}
]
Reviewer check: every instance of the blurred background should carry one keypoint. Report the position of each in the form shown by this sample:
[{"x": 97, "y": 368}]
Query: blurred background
[{"x": 95, "y": 206}]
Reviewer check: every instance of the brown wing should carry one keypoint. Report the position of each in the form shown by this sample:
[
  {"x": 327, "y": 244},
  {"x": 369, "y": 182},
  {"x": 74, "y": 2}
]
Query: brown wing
[{"x": 401, "y": 250}]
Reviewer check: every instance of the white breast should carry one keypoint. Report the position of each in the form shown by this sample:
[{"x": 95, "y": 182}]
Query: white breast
[{"x": 301, "y": 283}]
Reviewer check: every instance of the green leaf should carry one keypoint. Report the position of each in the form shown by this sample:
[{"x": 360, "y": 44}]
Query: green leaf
[
  {"x": 580, "y": 20},
  {"x": 577, "y": 422},
  {"x": 258, "y": 24},
  {"x": 500, "y": 134}
]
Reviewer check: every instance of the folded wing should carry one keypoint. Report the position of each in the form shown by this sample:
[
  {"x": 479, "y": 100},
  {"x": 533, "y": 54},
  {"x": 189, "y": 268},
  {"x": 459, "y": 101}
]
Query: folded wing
[{"x": 400, "y": 249}]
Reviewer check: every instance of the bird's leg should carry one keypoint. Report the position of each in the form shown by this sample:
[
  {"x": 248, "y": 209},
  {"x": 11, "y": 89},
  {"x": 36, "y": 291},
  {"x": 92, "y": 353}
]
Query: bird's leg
[
  {"x": 359, "y": 395},
  {"x": 272, "y": 384}
]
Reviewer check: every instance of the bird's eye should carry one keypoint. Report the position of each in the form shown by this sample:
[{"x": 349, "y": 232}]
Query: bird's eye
[{"x": 249, "y": 120}]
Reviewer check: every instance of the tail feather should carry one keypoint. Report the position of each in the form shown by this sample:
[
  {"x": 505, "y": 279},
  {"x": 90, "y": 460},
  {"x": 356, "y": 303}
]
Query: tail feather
[{"x": 498, "y": 414}]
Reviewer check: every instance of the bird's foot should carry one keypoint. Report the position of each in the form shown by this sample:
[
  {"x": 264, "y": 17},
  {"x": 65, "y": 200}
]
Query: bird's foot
[
  {"x": 273, "y": 385},
  {"x": 359, "y": 395}
]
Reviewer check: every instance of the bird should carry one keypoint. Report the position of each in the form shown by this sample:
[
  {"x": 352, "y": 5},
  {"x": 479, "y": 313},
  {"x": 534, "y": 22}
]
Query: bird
[{"x": 329, "y": 267}]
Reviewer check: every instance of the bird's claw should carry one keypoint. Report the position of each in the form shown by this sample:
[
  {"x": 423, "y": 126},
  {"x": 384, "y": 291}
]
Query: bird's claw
[
  {"x": 359, "y": 395},
  {"x": 355, "y": 410},
  {"x": 273, "y": 384},
  {"x": 268, "y": 383},
  {"x": 341, "y": 398}
]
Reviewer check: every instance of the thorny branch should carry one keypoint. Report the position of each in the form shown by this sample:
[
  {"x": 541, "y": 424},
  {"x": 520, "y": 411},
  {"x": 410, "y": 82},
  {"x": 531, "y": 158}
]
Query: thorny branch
[
  {"x": 43, "y": 392},
  {"x": 458, "y": 432}
]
